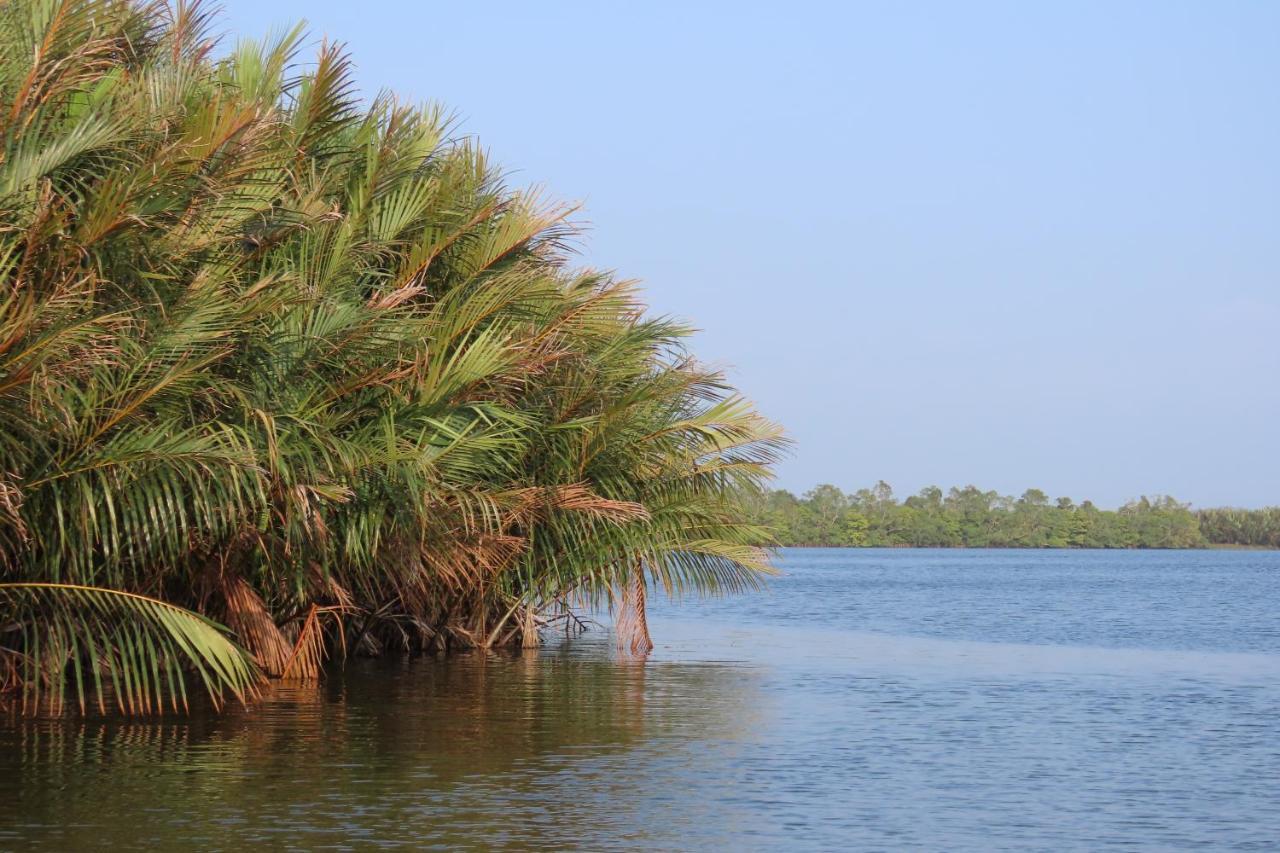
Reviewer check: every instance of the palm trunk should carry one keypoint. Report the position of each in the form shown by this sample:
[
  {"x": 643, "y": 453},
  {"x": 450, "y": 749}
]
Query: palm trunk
[{"x": 633, "y": 624}]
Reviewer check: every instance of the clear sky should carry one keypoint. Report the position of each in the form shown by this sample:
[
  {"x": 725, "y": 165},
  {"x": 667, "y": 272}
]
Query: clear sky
[{"x": 1014, "y": 244}]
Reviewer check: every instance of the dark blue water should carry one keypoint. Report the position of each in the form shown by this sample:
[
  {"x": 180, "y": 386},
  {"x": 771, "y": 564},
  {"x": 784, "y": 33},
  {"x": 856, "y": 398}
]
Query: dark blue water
[{"x": 942, "y": 700}]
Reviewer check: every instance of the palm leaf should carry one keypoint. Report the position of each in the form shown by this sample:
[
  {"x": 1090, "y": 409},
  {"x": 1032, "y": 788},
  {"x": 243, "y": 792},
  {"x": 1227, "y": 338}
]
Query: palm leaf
[{"x": 83, "y": 637}]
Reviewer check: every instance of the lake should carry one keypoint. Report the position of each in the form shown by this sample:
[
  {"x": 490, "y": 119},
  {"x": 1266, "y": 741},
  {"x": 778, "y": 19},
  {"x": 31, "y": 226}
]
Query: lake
[{"x": 870, "y": 699}]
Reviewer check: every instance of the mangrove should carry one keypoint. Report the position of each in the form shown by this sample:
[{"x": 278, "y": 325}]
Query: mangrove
[{"x": 288, "y": 375}]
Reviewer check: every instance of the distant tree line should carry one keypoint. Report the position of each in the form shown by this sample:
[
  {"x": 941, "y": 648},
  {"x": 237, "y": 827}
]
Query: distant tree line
[
  {"x": 972, "y": 518},
  {"x": 1258, "y": 528}
]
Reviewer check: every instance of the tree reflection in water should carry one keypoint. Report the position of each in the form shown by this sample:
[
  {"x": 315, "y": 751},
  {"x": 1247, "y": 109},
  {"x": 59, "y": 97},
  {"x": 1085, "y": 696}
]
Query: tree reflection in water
[{"x": 529, "y": 748}]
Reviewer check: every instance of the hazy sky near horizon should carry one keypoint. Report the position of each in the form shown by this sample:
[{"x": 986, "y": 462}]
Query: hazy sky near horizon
[{"x": 1003, "y": 243}]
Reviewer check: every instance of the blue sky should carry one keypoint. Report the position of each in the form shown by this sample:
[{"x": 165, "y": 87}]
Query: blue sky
[{"x": 1013, "y": 244}]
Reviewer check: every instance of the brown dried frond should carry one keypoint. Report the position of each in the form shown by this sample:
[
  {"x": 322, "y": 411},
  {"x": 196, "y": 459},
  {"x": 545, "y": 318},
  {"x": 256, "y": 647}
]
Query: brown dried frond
[
  {"x": 469, "y": 561},
  {"x": 307, "y": 656},
  {"x": 578, "y": 497},
  {"x": 394, "y": 298},
  {"x": 343, "y": 599},
  {"x": 530, "y": 505},
  {"x": 248, "y": 617},
  {"x": 520, "y": 506}
]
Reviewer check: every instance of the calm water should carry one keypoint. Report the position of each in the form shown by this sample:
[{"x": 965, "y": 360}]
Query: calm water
[{"x": 870, "y": 700}]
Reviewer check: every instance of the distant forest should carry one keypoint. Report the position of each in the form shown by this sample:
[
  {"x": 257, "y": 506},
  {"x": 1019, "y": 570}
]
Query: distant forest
[{"x": 971, "y": 518}]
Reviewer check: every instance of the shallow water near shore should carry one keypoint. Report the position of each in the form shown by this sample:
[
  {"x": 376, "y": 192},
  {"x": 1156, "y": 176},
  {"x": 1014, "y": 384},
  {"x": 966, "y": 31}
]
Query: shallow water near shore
[{"x": 869, "y": 700}]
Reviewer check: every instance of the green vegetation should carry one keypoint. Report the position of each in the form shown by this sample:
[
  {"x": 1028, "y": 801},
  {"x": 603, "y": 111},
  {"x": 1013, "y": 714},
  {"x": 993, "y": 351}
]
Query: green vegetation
[
  {"x": 306, "y": 367},
  {"x": 972, "y": 518},
  {"x": 1254, "y": 528}
]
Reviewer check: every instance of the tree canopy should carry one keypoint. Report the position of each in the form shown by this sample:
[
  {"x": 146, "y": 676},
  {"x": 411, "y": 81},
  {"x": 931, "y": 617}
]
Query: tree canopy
[{"x": 307, "y": 368}]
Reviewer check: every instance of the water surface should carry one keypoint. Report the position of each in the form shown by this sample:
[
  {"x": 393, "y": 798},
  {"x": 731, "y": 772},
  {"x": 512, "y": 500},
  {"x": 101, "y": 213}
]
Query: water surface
[{"x": 869, "y": 700}]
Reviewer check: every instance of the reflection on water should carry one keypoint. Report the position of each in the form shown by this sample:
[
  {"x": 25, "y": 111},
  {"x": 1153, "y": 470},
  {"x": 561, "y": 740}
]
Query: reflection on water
[
  {"x": 780, "y": 720},
  {"x": 531, "y": 749}
]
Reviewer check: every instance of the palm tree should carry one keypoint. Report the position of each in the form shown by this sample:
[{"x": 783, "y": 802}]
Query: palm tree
[{"x": 309, "y": 368}]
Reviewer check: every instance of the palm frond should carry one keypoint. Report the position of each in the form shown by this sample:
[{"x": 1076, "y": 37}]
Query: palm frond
[{"x": 86, "y": 640}]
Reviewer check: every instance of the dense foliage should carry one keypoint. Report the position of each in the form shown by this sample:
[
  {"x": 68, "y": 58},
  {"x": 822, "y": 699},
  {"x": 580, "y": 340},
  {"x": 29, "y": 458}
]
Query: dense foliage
[
  {"x": 972, "y": 518},
  {"x": 308, "y": 368},
  {"x": 1255, "y": 528}
]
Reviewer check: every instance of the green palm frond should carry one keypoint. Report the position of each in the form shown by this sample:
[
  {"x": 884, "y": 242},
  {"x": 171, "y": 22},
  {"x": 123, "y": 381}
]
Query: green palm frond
[{"x": 63, "y": 637}]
